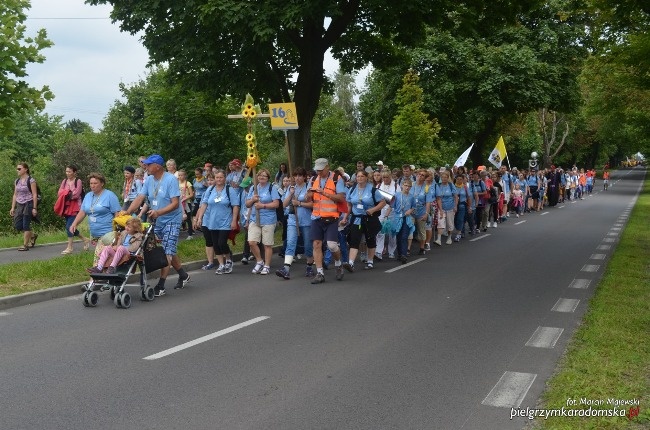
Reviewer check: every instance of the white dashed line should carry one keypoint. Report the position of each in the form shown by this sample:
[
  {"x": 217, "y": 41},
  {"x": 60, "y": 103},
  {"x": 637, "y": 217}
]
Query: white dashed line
[
  {"x": 566, "y": 305},
  {"x": 204, "y": 339},
  {"x": 395, "y": 269},
  {"x": 545, "y": 337},
  {"x": 5, "y": 314},
  {"x": 597, "y": 256},
  {"x": 510, "y": 391},
  {"x": 580, "y": 283},
  {"x": 604, "y": 247},
  {"x": 520, "y": 222},
  {"x": 590, "y": 268}
]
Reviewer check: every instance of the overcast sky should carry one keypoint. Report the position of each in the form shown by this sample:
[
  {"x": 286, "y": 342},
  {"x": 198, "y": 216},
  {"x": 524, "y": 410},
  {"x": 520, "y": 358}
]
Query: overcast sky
[{"x": 89, "y": 59}]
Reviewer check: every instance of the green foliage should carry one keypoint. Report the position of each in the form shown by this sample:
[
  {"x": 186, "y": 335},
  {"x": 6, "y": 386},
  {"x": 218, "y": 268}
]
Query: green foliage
[
  {"x": 16, "y": 52},
  {"x": 413, "y": 132}
]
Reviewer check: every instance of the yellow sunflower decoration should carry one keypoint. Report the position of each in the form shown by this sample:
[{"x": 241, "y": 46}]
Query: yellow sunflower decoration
[{"x": 249, "y": 112}]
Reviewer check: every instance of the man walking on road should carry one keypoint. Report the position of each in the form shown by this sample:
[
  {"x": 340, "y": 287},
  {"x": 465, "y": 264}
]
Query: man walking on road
[
  {"x": 163, "y": 194},
  {"x": 327, "y": 189}
]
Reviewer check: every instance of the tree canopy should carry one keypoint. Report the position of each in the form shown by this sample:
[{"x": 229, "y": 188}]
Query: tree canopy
[{"x": 16, "y": 52}]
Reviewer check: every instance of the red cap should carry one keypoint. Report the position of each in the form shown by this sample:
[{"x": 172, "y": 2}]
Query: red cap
[{"x": 236, "y": 162}]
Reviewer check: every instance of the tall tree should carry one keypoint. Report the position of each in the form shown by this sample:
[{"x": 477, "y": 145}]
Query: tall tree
[
  {"x": 16, "y": 52},
  {"x": 234, "y": 47}
]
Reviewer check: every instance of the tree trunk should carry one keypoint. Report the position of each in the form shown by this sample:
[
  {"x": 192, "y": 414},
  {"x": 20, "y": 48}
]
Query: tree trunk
[{"x": 477, "y": 157}]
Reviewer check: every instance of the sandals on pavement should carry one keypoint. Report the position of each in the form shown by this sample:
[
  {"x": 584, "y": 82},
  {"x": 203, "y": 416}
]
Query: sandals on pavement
[
  {"x": 34, "y": 240},
  {"x": 23, "y": 248}
]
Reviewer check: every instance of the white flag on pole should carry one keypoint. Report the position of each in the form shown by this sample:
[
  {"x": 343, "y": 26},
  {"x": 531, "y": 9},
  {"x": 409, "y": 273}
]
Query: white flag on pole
[{"x": 463, "y": 158}]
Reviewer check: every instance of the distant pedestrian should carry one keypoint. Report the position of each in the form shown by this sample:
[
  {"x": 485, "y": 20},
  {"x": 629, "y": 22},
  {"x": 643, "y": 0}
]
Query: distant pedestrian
[
  {"x": 24, "y": 205},
  {"x": 71, "y": 189}
]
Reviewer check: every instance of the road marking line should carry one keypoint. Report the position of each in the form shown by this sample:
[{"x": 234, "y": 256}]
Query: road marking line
[
  {"x": 590, "y": 268},
  {"x": 5, "y": 314},
  {"x": 612, "y": 233},
  {"x": 560, "y": 207},
  {"x": 520, "y": 222},
  {"x": 544, "y": 213},
  {"x": 481, "y": 237},
  {"x": 395, "y": 269},
  {"x": 204, "y": 339},
  {"x": 603, "y": 247},
  {"x": 598, "y": 256},
  {"x": 566, "y": 305},
  {"x": 580, "y": 283},
  {"x": 510, "y": 391},
  {"x": 615, "y": 228},
  {"x": 545, "y": 337},
  {"x": 609, "y": 240}
]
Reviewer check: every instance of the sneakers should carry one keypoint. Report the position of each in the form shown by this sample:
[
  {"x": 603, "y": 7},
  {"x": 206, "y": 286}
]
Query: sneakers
[
  {"x": 349, "y": 267},
  {"x": 339, "y": 273},
  {"x": 220, "y": 270},
  {"x": 158, "y": 292},
  {"x": 94, "y": 269},
  {"x": 265, "y": 270},
  {"x": 309, "y": 271},
  {"x": 227, "y": 268},
  {"x": 181, "y": 283},
  {"x": 517, "y": 215},
  {"x": 448, "y": 240},
  {"x": 391, "y": 256},
  {"x": 110, "y": 270},
  {"x": 298, "y": 257},
  {"x": 189, "y": 237},
  {"x": 244, "y": 260},
  {"x": 258, "y": 268},
  {"x": 457, "y": 238},
  {"x": 403, "y": 259},
  {"x": 421, "y": 252},
  {"x": 427, "y": 247},
  {"x": 438, "y": 241},
  {"x": 494, "y": 224},
  {"x": 369, "y": 266},
  {"x": 283, "y": 273},
  {"x": 318, "y": 279},
  {"x": 208, "y": 266},
  {"x": 363, "y": 257}
]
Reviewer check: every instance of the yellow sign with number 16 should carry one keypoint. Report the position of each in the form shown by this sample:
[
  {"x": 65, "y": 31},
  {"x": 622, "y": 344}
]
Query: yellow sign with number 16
[{"x": 283, "y": 116}]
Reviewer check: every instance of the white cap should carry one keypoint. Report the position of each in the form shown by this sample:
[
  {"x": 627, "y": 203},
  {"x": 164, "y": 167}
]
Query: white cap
[{"x": 380, "y": 163}]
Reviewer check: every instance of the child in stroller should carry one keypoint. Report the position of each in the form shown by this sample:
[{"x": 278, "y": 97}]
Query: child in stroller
[{"x": 124, "y": 246}]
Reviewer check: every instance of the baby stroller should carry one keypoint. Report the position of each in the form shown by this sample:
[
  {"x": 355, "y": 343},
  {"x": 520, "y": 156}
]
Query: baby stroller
[{"x": 149, "y": 257}]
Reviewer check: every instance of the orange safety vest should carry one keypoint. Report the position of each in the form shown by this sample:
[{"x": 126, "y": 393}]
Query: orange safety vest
[{"x": 324, "y": 207}]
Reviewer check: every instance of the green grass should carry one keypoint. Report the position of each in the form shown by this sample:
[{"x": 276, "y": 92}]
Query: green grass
[
  {"x": 609, "y": 356},
  {"x": 15, "y": 240}
]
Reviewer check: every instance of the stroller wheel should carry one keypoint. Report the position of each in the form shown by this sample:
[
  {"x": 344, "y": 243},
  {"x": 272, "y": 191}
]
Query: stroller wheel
[
  {"x": 117, "y": 301},
  {"x": 93, "y": 298},
  {"x": 84, "y": 299},
  {"x": 147, "y": 294},
  {"x": 125, "y": 300}
]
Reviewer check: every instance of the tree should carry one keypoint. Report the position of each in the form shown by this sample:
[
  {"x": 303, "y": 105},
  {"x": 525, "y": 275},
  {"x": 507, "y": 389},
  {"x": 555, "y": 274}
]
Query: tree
[
  {"x": 77, "y": 126},
  {"x": 233, "y": 47},
  {"x": 549, "y": 122},
  {"x": 413, "y": 131},
  {"x": 16, "y": 51}
]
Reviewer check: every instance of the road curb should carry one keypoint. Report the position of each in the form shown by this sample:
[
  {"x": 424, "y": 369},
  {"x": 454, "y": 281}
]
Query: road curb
[{"x": 34, "y": 297}]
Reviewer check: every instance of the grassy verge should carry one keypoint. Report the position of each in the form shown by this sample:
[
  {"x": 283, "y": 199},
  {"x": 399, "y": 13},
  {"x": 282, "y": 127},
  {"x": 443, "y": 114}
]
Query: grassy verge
[
  {"x": 609, "y": 356},
  {"x": 17, "y": 278},
  {"x": 15, "y": 240}
]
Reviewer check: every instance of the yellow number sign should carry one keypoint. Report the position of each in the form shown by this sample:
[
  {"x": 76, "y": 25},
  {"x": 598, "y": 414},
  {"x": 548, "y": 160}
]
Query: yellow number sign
[{"x": 283, "y": 116}]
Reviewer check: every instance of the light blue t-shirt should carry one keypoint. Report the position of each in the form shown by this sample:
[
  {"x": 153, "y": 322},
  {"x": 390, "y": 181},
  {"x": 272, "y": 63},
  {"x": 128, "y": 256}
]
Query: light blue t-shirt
[
  {"x": 304, "y": 214},
  {"x": 463, "y": 193},
  {"x": 160, "y": 194},
  {"x": 218, "y": 214},
  {"x": 361, "y": 199},
  {"x": 267, "y": 216},
  {"x": 134, "y": 190},
  {"x": 100, "y": 210},
  {"x": 446, "y": 194},
  {"x": 199, "y": 188},
  {"x": 402, "y": 203},
  {"x": 531, "y": 180},
  {"x": 421, "y": 197}
]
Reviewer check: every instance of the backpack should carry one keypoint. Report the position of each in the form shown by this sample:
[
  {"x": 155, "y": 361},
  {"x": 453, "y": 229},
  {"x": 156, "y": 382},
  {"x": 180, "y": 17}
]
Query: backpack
[
  {"x": 83, "y": 190},
  {"x": 39, "y": 195}
]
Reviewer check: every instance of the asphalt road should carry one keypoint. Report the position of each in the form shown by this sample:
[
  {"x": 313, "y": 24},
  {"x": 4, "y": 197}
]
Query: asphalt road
[{"x": 452, "y": 341}]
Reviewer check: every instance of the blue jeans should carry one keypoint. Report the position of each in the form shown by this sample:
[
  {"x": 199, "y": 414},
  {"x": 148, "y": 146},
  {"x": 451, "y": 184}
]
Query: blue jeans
[
  {"x": 402, "y": 240},
  {"x": 69, "y": 219},
  {"x": 292, "y": 240},
  {"x": 459, "y": 218}
]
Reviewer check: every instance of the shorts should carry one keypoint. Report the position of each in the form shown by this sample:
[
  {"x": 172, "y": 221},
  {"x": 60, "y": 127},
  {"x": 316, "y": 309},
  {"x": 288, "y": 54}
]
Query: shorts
[
  {"x": 325, "y": 229},
  {"x": 23, "y": 216},
  {"x": 168, "y": 233},
  {"x": 264, "y": 234},
  {"x": 446, "y": 220}
]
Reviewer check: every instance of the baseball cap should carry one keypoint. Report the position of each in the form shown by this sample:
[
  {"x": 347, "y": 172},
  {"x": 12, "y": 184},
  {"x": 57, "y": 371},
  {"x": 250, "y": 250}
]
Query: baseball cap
[
  {"x": 380, "y": 163},
  {"x": 154, "y": 159},
  {"x": 236, "y": 162},
  {"x": 321, "y": 163}
]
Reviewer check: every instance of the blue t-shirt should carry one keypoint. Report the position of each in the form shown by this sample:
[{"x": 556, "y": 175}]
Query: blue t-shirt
[
  {"x": 402, "y": 203},
  {"x": 267, "y": 216},
  {"x": 160, "y": 194},
  {"x": 422, "y": 197},
  {"x": 446, "y": 194},
  {"x": 134, "y": 190},
  {"x": 531, "y": 180},
  {"x": 507, "y": 179},
  {"x": 199, "y": 188},
  {"x": 100, "y": 211},
  {"x": 218, "y": 214},
  {"x": 234, "y": 178},
  {"x": 463, "y": 193},
  {"x": 304, "y": 214},
  {"x": 361, "y": 199}
]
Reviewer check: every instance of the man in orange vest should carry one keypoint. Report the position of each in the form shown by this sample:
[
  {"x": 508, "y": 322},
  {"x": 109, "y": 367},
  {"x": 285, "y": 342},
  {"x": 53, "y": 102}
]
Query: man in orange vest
[{"x": 326, "y": 190}]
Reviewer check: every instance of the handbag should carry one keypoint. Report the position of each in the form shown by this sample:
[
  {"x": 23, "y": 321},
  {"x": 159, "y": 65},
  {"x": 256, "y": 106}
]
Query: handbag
[{"x": 155, "y": 259}]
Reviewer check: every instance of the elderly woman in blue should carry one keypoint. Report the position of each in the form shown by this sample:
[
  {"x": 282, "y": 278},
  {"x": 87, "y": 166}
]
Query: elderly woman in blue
[
  {"x": 447, "y": 200},
  {"x": 101, "y": 206},
  {"x": 403, "y": 208},
  {"x": 263, "y": 200},
  {"x": 222, "y": 215},
  {"x": 296, "y": 197},
  {"x": 363, "y": 217}
]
